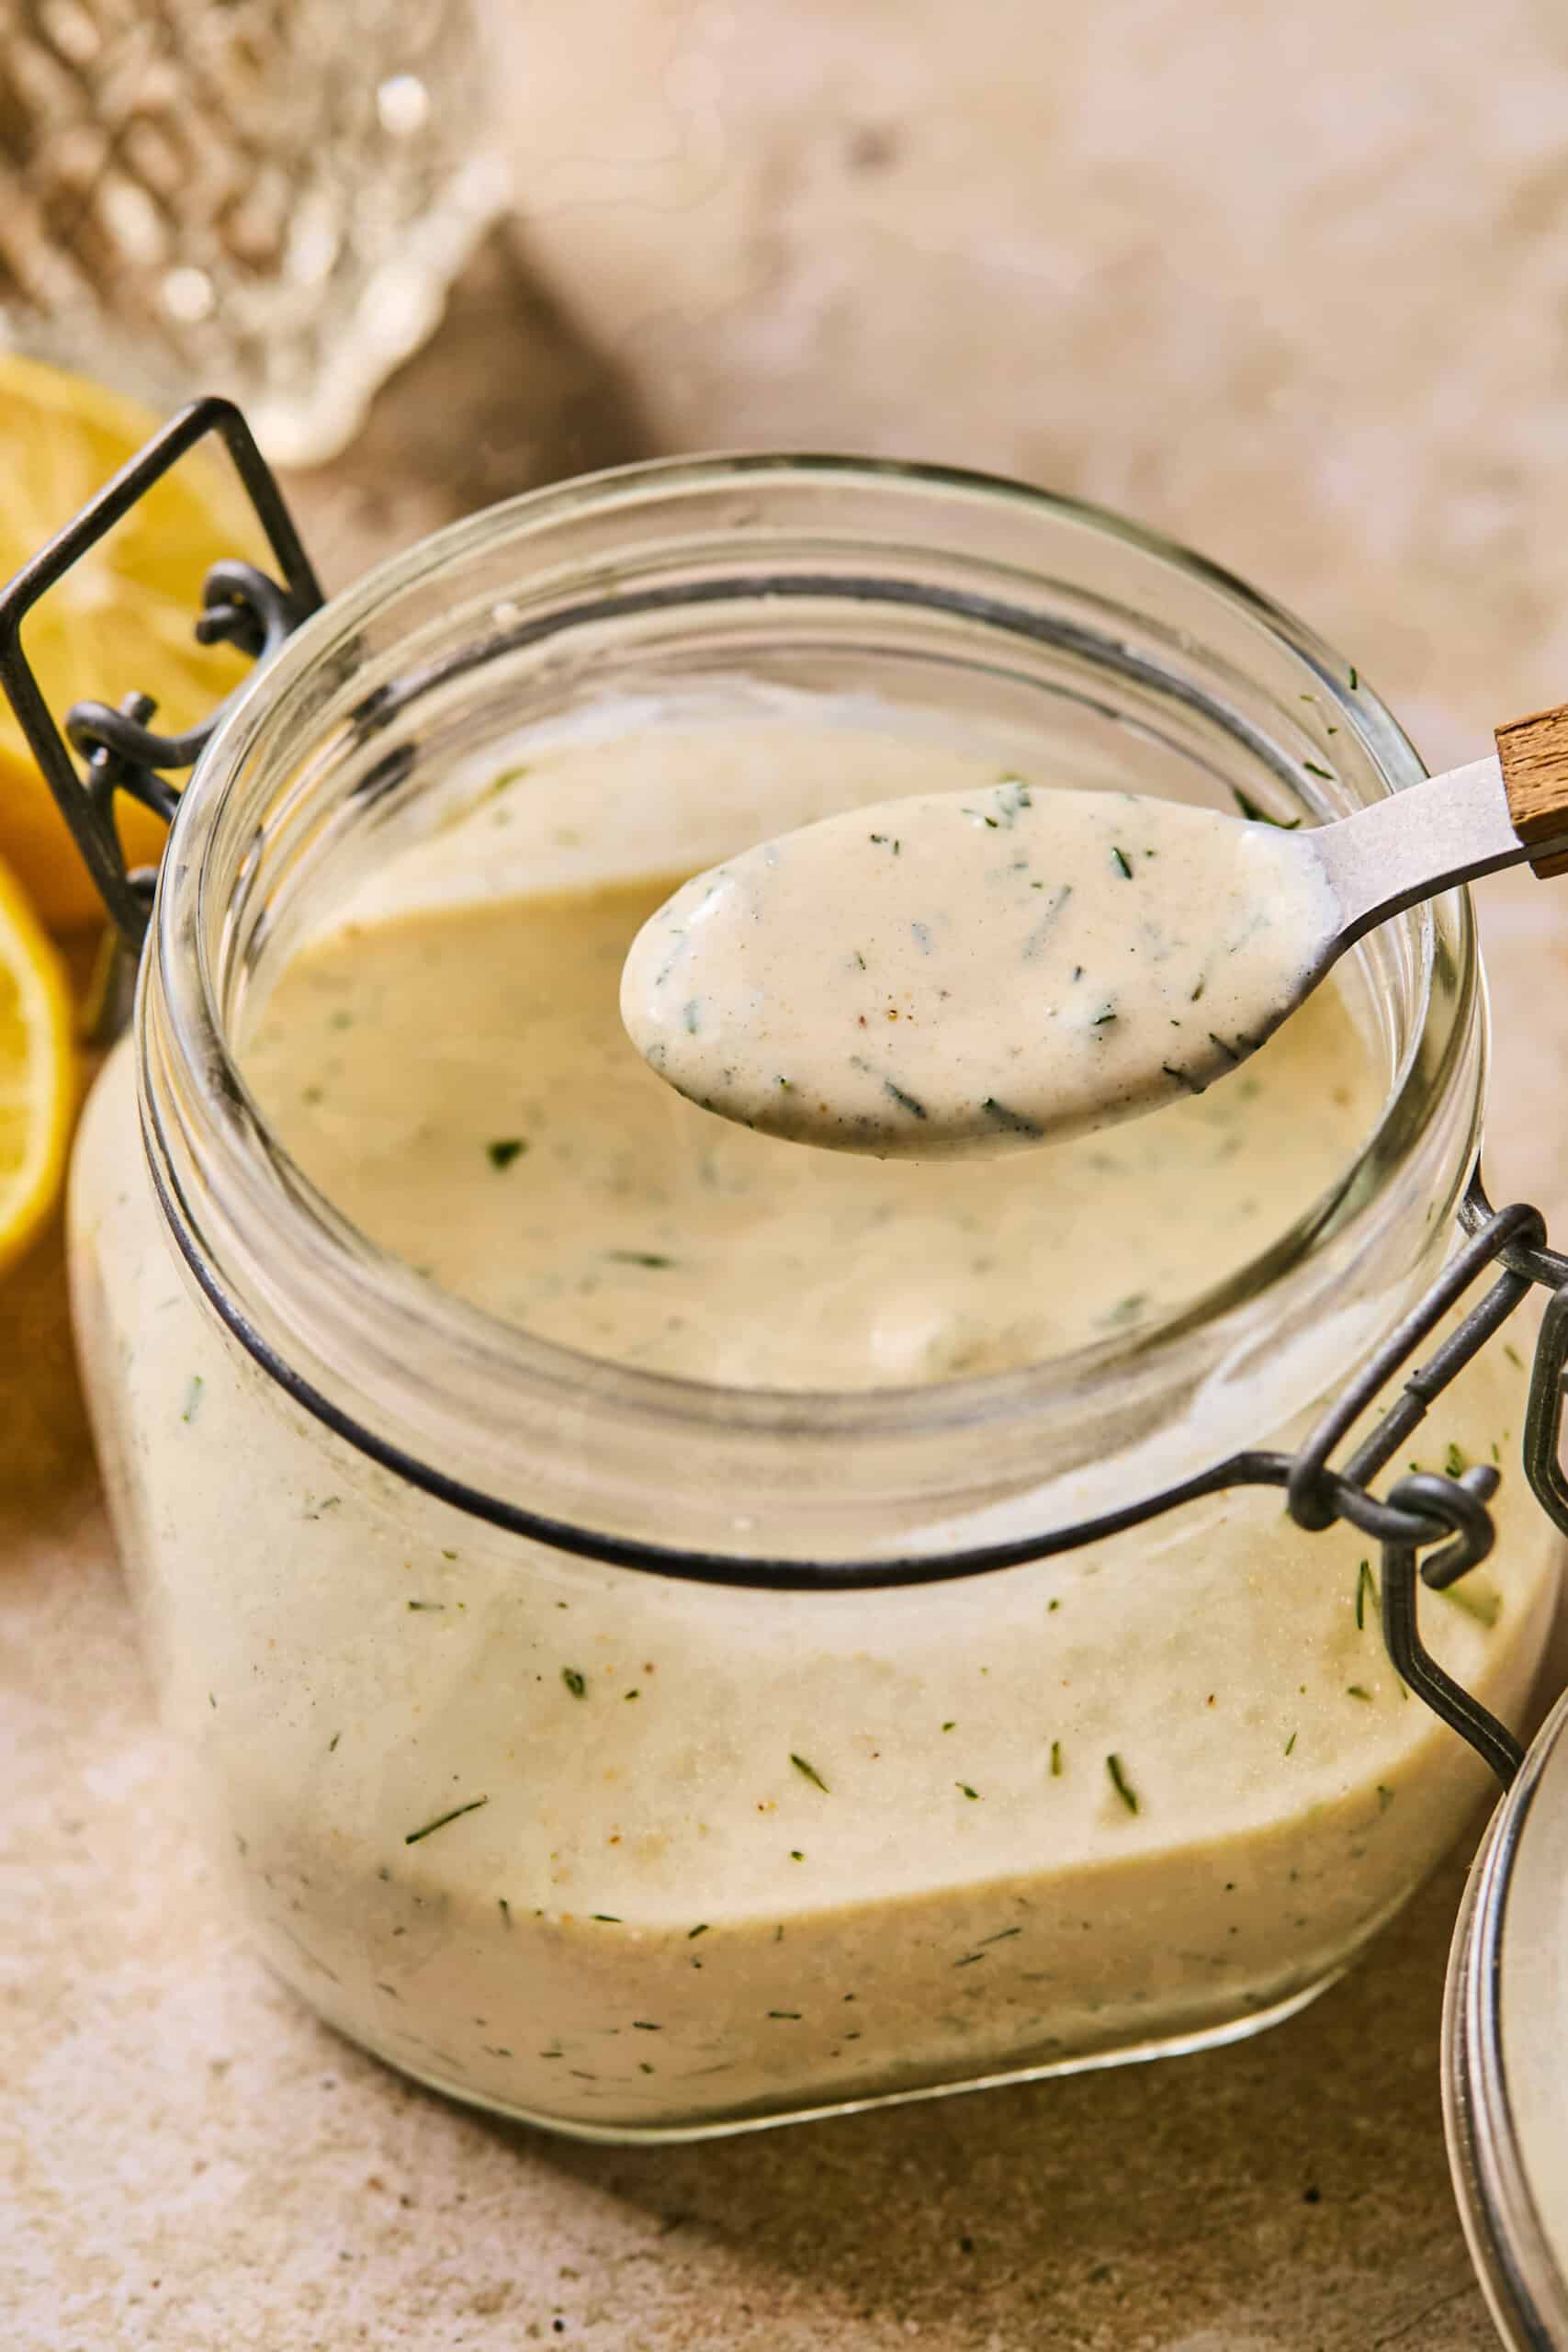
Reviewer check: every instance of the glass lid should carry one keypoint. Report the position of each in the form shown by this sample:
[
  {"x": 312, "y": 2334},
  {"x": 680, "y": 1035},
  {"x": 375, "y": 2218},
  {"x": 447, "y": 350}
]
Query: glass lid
[{"x": 1506, "y": 2052}]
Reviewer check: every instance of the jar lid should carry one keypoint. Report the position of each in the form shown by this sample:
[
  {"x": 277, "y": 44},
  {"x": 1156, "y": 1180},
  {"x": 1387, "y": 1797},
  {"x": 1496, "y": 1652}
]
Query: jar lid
[{"x": 1506, "y": 2052}]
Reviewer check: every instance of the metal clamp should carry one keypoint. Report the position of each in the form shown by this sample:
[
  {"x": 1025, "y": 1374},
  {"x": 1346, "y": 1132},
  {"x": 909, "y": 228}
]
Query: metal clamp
[{"x": 241, "y": 606}]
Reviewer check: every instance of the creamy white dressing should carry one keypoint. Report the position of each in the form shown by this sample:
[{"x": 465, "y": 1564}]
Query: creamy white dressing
[
  {"x": 966, "y": 973},
  {"x": 634, "y": 1854}
]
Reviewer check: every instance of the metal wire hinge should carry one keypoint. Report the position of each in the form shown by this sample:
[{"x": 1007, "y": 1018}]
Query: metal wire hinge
[
  {"x": 243, "y": 607},
  {"x": 1448, "y": 1511}
]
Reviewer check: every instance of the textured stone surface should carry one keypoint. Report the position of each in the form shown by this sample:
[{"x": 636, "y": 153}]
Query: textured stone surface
[{"x": 1292, "y": 283}]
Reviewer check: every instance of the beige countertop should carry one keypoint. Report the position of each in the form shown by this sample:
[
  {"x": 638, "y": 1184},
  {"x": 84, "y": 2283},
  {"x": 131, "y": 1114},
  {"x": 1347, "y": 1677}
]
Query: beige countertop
[{"x": 191, "y": 2161}]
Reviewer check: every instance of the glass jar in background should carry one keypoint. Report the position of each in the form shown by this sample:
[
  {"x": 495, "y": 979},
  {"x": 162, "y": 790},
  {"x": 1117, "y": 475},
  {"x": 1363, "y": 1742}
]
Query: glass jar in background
[
  {"x": 268, "y": 197},
  {"x": 349, "y": 1502}
]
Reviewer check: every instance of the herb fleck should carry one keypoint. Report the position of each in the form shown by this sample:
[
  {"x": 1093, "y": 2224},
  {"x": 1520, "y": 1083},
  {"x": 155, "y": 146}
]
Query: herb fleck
[
  {"x": 905, "y": 1101},
  {"x": 1012, "y": 1123},
  {"x": 1355, "y": 679},
  {"x": 1055, "y": 1759},
  {"x": 505, "y": 1150},
  {"x": 1354, "y": 1690},
  {"x": 700, "y": 1929},
  {"x": 810, "y": 1772},
  {"x": 1291, "y": 1743},
  {"x": 426, "y": 1604},
  {"x": 193, "y": 1397},
  {"x": 1365, "y": 1582},
  {"x": 1258, "y": 815},
  {"x": 575, "y": 1682},
  {"x": 639, "y": 1257},
  {"x": 1476, "y": 1601},
  {"x": 331, "y": 1744},
  {"x": 973, "y": 1795},
  {"x": 1454, "y": 1461},
  {"x": 1120, "y": 1783},
  {"x": 443, "y": 1818},
  {"x": 1313, "y": 769},
  {"x": 506, "y": 1909},
  {"x": 1121, "y": 861}
]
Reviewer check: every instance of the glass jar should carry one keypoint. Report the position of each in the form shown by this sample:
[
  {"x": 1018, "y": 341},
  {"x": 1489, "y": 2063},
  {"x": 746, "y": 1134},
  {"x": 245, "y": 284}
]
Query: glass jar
[{"x": 404, "y": 1570}]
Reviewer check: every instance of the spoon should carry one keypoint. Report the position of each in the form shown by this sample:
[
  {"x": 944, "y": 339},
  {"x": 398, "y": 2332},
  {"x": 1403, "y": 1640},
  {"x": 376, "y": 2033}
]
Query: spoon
[{"x": 965, "y": 974}]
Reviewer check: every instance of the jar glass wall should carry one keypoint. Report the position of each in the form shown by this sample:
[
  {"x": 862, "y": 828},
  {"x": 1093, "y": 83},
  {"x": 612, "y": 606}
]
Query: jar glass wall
[{"x": 629, "y": 1852}]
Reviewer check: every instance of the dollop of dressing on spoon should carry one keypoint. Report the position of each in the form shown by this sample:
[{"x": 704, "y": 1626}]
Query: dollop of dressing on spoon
[{"x": 967, "y": 973}]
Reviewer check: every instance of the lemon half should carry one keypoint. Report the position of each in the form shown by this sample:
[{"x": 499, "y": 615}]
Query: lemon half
[
  {"x": 38, "y": 1070},
  {"x": 121, "y": 620}
]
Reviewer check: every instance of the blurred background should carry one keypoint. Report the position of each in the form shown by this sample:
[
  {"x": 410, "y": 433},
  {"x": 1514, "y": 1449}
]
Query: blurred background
[{"x": 1292, "y": 285}]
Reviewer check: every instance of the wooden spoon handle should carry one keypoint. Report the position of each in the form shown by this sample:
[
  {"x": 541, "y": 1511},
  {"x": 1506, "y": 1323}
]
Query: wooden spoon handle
[{"x": 1533, "y": 755}]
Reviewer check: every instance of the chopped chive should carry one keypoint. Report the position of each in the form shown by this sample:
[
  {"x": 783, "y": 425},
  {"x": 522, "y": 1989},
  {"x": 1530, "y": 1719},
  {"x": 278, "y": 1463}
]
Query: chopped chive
[
  {"x": 1012, "y": 1123},
  {"x": 1055, "y": 1759},
  {"x": 1454, "y": 1461},
  {"x": 860, "y": 961},
  {"x": 1258, "y": 815},
  {"x": 1365, "y": 1582},
  {"x": 1313, "y": 769},
  {"x": 795, "y": 2014},
  {"x": 193, "y": 1397},
  {"x": 700, "y": 1929},
  {"x": 1119, "y": 858},
  {"x": 1354, "y": 1690},
  {"x": 441, "y": 1820},
  {"x": 1291, "y": 1743},
  {"x": 1120, "y": 1783},
  {"x": 1106, "y": 1015},
  {"x": 1183, "y": 1077},
  {"x": 639, "y": 1257},
  {"x": 331, "y": 1744},
  {"x": 810, "y": 1772},
  {"x": 1229, "y": 1051},
  {"x": 905, "y": 1101},
  {"x": 610, "y": 1918},
  {"x": 504, "y": 1151},
  {"x": 575, "y": 1682},
  {"x": 1355, "y": 679},
  {"x": 973, "y": 1795},
  {"x": 506, "y": 1909},
  {"x": 951, "y": 1725},
  {"x": 426, "y": 1604},
  {"x": 1484, "y": 1607}
]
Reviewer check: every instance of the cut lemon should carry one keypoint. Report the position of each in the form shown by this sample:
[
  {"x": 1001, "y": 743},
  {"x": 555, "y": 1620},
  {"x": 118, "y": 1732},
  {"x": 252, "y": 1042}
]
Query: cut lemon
[
  {"x": 38, "y": 1071},
  {"x": 121, "y": 618}
]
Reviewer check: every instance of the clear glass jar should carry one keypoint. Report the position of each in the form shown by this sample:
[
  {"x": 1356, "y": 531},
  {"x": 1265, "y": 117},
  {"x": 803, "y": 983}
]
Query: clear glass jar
[{"x": 767, "y": 1890}]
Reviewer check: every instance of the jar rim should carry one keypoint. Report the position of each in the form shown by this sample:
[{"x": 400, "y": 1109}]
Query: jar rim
[{"x": 235, "y": 1141}]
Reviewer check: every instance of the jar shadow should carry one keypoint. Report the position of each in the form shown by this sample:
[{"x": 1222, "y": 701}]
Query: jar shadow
[{"x": 1294, "y": 2183}]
